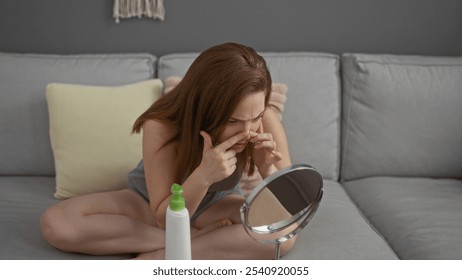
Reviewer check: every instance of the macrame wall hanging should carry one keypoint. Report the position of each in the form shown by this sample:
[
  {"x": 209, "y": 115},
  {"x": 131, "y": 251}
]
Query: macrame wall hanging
[{"x": 138, "y": 8}]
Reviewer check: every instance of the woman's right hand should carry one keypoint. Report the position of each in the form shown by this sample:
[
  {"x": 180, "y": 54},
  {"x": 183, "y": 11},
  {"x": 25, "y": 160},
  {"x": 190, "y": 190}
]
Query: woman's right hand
[{"x": 218, "y": 162}]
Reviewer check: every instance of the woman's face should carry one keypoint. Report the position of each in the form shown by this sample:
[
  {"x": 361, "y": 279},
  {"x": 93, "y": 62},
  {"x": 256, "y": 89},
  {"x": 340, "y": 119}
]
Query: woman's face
[{"x": 247, "y": 117}]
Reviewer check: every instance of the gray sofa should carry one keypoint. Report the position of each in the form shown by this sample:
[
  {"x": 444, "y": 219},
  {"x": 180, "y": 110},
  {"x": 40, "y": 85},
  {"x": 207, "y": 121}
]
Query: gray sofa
[{"x": 384, "y": 131}]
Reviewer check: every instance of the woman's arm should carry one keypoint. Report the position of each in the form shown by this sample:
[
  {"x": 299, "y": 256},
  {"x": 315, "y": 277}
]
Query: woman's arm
[
  {"x": 271, "y": 151},
  {"x": 160, "y": 165},
  {"x": 272, "y": 124},
  {"x": 160, "y": 169}
]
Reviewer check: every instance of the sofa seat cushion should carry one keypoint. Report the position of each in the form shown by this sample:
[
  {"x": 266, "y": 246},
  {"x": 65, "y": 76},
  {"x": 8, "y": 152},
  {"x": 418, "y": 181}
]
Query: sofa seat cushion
[
  {"x": 22, "y": 201},
  {"x": 24, "y": 138},
  {"x": 420, "y": 217},
  {"x": 311, "y": 114},
  {"x": 338, "y": 231}
]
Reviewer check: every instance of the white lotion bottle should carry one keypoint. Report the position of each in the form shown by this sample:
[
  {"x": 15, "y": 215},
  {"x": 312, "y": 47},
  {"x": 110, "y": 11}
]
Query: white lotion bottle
[{"x": 178, "y": 231}]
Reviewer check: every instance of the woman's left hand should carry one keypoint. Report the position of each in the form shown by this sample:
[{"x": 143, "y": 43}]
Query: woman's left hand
[{"x": 264, "y": 154}]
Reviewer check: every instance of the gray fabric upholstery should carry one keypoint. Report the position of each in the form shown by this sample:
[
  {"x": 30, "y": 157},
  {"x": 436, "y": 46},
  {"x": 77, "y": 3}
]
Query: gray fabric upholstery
[
  {"x": 339, "y": 231},
  {"x": 420, "y": 218},
  {"x": 402, "y": 116},
  {"x": 23, "y": 199},
  {"x": 24, "y": 140},
  {"x": 312, "y": 112}
]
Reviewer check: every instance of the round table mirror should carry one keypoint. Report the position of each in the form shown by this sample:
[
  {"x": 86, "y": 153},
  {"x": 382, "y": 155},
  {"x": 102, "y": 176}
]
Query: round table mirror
[{"x": 282, "y": 205}]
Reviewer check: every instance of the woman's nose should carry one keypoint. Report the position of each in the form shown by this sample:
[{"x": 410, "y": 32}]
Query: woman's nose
[{"x": 247, "y": 126}]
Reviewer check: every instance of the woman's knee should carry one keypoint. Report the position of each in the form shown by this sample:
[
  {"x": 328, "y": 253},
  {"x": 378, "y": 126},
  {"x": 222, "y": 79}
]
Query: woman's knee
[{"x": 59, "y": 229}]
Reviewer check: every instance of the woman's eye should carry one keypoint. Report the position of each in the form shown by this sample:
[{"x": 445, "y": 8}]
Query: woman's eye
[{"x": 233, "y": 122}]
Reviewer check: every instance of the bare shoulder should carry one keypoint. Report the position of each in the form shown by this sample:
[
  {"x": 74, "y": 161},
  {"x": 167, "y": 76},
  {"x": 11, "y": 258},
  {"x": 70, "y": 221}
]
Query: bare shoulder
[
  {"x": 160, "y": 128},
  {"x": 156, "y": 134}
]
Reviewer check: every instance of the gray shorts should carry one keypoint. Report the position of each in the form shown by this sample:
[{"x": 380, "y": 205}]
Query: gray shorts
[{"x": 137, "y": 183}]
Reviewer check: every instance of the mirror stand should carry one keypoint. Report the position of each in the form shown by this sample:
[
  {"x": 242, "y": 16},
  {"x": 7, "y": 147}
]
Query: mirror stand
[{"x": 278, "y": 250}]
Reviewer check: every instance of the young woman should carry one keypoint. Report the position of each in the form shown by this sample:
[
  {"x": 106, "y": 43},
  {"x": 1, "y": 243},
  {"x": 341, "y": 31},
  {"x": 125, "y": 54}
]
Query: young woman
[{"x": 214, "y": 126}]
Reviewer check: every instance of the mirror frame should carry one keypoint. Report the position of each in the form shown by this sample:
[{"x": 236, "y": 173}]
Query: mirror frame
[{"x": 302, "y": 218}]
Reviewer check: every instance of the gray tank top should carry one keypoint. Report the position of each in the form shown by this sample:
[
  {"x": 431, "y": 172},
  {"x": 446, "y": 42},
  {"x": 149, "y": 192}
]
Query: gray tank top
[{"x": 137, "y": 180}]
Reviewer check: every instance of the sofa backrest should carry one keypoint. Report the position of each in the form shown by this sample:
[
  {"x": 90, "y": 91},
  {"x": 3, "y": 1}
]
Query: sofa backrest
[
  {"x": 24, "y": 126},
  {"x": 312, "y": 110},
  {"x": 402, "y": 116}
]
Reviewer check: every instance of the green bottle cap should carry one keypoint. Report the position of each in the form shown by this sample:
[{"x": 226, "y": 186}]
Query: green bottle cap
[{"x": 177, "y": 202}]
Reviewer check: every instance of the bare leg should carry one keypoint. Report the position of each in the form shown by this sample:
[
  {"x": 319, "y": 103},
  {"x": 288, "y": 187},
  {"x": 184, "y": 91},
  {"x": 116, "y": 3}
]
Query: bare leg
[
  {"x": 198, "y": 232},
  {"x": 102, "y": 224},
  {"x": 160, "y": 254},
  {"x": 226, "y": 241},
  {"x": 230, "y": 243},
  {"x": 226, "y": 208},
  {"x": 122, "y": 222}
]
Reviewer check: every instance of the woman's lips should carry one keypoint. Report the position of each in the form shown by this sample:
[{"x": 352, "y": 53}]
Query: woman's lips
[{"x": 240, "y": 146}]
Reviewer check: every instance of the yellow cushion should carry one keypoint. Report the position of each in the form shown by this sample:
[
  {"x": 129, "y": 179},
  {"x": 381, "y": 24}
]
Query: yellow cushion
[{"x": 90, "y": 133}]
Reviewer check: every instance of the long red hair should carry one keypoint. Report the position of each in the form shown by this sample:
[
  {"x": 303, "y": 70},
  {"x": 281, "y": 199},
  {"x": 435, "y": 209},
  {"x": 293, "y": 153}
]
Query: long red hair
[{"x": 205, "y": 99}]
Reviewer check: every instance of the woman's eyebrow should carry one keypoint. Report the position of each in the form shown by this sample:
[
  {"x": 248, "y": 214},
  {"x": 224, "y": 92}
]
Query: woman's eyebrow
[{"x": 241, "y": 120}]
